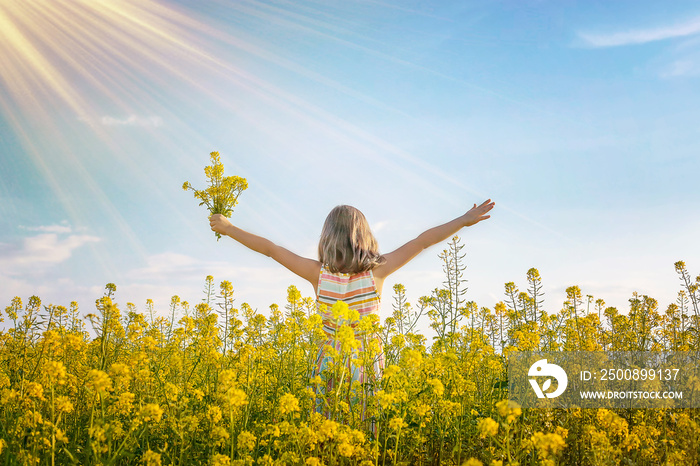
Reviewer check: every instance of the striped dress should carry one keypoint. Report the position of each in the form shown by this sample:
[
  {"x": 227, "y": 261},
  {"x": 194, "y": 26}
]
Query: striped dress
[{"x": 359, "y": 292}]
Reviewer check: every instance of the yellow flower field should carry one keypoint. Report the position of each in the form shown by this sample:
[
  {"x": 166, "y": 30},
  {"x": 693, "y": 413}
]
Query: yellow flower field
[{"x": 214, "y": 384}]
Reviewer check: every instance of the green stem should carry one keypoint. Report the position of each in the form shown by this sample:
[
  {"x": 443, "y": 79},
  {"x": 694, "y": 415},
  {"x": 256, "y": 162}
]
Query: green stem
[
  {"x": 53, "y": 430},
  {"x": 230, "y": 416},
  {"x": 396, "y": 449}
]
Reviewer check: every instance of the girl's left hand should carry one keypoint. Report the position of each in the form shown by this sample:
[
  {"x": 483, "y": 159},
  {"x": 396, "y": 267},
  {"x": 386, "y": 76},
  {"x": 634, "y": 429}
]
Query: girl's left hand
[{"x": 478, "y": 213}]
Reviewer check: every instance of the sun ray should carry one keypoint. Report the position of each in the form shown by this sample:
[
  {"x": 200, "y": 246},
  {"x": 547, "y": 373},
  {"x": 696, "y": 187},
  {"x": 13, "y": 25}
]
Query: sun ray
[{"x": 129, "y": 56}]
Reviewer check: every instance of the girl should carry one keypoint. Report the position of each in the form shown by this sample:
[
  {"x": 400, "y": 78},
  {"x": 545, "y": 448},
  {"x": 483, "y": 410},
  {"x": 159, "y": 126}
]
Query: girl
[
  {"x": 348, "y": 246},
  {"x": 349, "y": 268}
]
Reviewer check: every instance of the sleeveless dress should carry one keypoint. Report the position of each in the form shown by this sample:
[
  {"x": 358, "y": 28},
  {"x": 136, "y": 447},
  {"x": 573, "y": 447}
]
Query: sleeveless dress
[{"x": 359, "y": 292}]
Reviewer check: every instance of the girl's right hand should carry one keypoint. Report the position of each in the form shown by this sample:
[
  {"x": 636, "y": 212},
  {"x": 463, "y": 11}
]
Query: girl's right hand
[{"x": 219, "y": 223}]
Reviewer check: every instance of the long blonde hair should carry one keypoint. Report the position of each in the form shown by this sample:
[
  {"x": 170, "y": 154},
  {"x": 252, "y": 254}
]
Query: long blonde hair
[{"x": 347, "y": 244}]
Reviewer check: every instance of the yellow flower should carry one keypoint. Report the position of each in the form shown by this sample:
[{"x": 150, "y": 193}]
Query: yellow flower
[
  {"x": 562, "y": 432},
  {"x": 99, "y": 381},
  {"x": 33, "y": 418},
  {"x": 345, "y": 449},
  {"x": 118, "y": 370},
  {"x": 288, "y": 404},
  {"x": 171, "y": 391},
  {"x": 412, "y": 358},
  {"x": 437, "y": 386},
  {"x": 222, "y": 194},
  {"x": 316, "y": 380},
  {"x": 55, "y": 371},
  {"x": 151, "y": 458},
  {"x": 35, "y": 390},
  {"x": 236, "y": 397},
  {"x": 227, "y": 379},
  {"x": 548, "y": 444},
  {"x": 346, "y": 336},
  {"x": 151, "y": 412},
  {"x": 507, "y": 408},
  {"x": 61, "y": 436},
  {"x": 214, "y": 414},
  {"x": 220, "y": 460},
  {"x": 398, "y": 340},
  {"x": 391, "y": 371},
  {"x": 328, "y": 429},
  {"x": 487, "y": 427},
  {"x": 632, "y": 442},
  {"x": 472, "y": 462},
  {"x": 7, "y": 396},
  {"x": 340, "y": 311},
  {"x": 313, "y": 461},
  {"x": 397, "y": 423},
  {"x": 272, "y": 431},
  {"x": 64, "y": 404},
  {"x": 357, "y": 436},
  {"x": 246, "y": 440},
  {"x": 367, "y": 323},
  {"x": 98, "y": 433},
  {"x": 385, "y": 399},
  {"x": 612, "y": 423},
  {"x": 219, "y": 435},
  {"x": 124, "y": 404}
]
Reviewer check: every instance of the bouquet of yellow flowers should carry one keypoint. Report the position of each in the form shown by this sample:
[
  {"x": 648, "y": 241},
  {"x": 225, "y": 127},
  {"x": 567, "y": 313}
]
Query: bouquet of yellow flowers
[{"x": 222, "y": 194}]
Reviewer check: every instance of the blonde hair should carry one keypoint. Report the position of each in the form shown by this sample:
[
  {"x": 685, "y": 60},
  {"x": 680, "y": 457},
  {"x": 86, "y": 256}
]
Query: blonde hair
[{"x": 347, "y": 244}]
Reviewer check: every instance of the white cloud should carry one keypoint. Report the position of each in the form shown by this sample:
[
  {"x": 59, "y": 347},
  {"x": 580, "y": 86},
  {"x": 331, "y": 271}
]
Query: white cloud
[
  {"x": 39, "y": 252},
  {"x": 685, "y": 60},
  {"x": 259, "y": 283},
  {"x": 168, "y": 266},
  {"x": 132, "y": 120},
  {"x": 379, "y": 226},
  {"x": 50, "y": 228},
  {"x": 642, "y": 36},
  {"x": 59, "y": 291},
  {"x": 35, "y": 256}
]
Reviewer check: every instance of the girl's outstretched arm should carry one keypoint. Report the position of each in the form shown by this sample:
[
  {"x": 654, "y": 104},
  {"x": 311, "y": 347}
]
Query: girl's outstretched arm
[
  {"x": 401, "y": 256},
  {"x": 308, "y": 269}
]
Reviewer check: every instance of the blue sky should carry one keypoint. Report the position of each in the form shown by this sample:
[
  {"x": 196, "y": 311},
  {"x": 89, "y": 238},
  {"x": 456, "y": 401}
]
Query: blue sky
[{"x": 578, "y": 118}]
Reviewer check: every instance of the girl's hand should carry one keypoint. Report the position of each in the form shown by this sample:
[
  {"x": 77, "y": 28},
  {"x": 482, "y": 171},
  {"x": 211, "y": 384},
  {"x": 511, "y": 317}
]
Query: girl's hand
[
  {"x": 477, "y": 214},
  {"x": 219, "y": 223}
]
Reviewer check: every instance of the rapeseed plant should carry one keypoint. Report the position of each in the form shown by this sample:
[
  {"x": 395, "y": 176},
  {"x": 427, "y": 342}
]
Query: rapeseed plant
[
  {"x": 155, "y": 390},
  {"x": 221, "y": 196}
]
